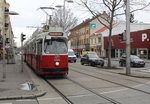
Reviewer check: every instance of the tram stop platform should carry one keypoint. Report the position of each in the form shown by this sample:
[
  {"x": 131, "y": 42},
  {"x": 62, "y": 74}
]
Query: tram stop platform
[{"x": 16, "y": 84}]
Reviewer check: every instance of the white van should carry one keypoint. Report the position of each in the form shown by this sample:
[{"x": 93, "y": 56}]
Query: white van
[{"x": 71, "y": 56}]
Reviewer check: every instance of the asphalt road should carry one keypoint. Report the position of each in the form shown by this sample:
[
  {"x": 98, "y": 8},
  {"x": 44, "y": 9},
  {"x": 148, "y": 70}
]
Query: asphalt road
[
  {"x": 91, "y": 85},
  {"x": 115, "y": 63},
  {"x": 124, "y": 89}
]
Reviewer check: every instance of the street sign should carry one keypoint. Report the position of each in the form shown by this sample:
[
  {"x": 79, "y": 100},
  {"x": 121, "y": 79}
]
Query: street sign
[{"x": 92, "y": 25}]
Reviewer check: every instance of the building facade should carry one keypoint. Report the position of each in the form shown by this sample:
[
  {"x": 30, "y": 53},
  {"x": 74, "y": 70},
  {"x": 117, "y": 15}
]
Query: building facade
[
  {"x": 95, "y": 33},
  {"x": 5, "y": 27},
  {"x": 96, "y": 41},
  {"x": 139, "y": 37},
  {"x": 79, "y": 37},
  {"x": 87, "y": 35}
]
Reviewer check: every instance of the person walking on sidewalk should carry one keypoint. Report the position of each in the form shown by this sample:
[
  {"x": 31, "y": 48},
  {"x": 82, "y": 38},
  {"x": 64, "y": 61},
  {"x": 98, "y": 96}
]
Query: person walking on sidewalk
[{"x": 1, "y": 54}]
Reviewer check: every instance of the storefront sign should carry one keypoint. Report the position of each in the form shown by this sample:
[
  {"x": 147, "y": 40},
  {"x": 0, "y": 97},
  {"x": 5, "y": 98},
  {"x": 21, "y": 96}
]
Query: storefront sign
[
  {"x": 139, "y": 39},
  {"x": 144, "y": 37}
]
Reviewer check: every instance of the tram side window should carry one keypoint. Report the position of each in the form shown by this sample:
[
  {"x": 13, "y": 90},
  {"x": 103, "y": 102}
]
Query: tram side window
[
  {"x": 39, "y": 47},
  {"x": 34, "y": 48}
]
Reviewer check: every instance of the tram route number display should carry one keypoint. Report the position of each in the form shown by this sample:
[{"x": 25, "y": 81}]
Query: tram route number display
[{"x": 56, "y": 34}]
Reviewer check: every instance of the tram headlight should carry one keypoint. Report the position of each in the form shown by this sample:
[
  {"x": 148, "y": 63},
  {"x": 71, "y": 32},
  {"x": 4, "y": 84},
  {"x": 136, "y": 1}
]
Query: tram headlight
[{"x": 57, "y": 63}]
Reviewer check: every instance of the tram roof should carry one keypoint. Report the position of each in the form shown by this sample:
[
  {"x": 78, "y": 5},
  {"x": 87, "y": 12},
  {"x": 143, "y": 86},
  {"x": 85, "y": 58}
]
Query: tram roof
[{"x": 40, "y": 33}]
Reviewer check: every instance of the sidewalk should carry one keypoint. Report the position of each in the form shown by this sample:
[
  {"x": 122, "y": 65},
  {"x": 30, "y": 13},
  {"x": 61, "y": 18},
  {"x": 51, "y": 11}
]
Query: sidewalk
[
  {"x": 117, "y": 59},
  {"x": 134, "y": 73},
  {"x": 17, "y": 84}
]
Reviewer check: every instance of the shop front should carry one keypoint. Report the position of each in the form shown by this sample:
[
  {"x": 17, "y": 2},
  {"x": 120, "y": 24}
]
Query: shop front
[{"x": 140, "y": 44}]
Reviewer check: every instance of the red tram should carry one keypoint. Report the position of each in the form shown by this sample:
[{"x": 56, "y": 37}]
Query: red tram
[{"x": 46, "y": 53}]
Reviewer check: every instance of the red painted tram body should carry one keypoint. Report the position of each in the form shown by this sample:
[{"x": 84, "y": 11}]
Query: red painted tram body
[{"x": 47, "y": 54}]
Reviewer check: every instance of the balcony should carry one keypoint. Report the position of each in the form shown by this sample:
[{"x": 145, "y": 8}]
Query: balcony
[
  {"x": 6, "y": 25},
  {"x": 6, "y": 11}
]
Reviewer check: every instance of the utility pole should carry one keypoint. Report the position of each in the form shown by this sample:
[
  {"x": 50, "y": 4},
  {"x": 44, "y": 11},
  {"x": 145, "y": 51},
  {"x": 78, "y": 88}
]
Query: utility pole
[
  {"x": 64, "y": 12},
  {"x": 49, "y": 23},
  {"x": 64, "y": 15},
  {"x": 128, "y": 70},
  {"x": 4, "y": 38},
  {"x": 22, "y": 39}
]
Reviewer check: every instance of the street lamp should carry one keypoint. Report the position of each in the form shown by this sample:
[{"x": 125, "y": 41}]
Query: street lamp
[
  {"x": 12, "y": 13},
  {"x": 4, "y": 38},
  {"x": 64, "y": 6},
  {"x": 43, "y": 8}
]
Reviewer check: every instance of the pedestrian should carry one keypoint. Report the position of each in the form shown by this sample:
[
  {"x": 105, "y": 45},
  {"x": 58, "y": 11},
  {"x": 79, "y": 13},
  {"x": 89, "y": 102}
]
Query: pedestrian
[{"x": 1, "y": 54}]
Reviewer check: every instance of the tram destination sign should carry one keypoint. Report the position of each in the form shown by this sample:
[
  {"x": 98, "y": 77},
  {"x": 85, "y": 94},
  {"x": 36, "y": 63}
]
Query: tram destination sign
[{"x": 55, "y": 34}]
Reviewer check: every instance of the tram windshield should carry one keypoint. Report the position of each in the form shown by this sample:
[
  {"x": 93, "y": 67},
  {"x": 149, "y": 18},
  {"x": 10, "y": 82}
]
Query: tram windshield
[{"x": 55, "y": 46}]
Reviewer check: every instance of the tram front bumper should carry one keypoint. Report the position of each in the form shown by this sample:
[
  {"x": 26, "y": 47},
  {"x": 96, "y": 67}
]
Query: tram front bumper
[{"x": 55, "y": 70}]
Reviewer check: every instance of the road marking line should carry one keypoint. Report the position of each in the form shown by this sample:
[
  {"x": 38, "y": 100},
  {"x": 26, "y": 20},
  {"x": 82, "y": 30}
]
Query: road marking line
[
  {"x": 80, "y": 95},
  {"x": 50, "y": 98},
  {"x": 26, "y": 100},
  {"x": 5, "y": 103},
  {"x": 114, "y": 91}
]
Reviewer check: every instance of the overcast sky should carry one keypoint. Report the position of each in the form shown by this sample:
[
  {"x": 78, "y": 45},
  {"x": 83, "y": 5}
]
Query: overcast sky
[{"x": 30, "y": 15}]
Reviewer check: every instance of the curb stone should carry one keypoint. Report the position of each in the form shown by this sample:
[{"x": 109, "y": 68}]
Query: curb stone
[{"x": 24, "y": 97}]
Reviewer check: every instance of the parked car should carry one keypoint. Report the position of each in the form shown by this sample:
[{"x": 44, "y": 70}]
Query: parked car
[
  {"x": 135, "y": 61},
  {"x": 92, "y": 60},
  {"x": 71, "y": 56}
]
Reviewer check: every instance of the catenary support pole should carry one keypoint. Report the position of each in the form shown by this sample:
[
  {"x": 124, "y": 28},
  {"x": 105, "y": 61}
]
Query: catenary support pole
[
  {"x": 128, "y": 70},
  {"x": 21, "y": 52}
]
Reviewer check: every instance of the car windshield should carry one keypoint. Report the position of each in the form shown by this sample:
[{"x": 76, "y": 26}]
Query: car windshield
[
  {"x": 92, "y": 56},
  {"x": 55, "y": 46},
  {"x": 71, "y": 53},
  {"x": 134, "y": 57}
]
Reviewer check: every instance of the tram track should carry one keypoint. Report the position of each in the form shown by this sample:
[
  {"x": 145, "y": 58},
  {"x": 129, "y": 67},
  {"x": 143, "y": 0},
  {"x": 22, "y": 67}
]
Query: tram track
[
  {"x": 122, "y": 85},
  {"x": 100, "y": 95},
  {"x": 107, "y": 71},
  {"x": 59, "y": 92},
  {"x": 88, "y": 89}
]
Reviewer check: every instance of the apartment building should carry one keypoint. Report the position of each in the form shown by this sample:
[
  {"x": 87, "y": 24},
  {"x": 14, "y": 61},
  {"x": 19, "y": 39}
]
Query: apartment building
[
  {"x": 5, "y": 26},
  {"x": 87, "y": 35},
  {"x": 2, "y": 3},
  {"x": 95, "y": 33},
  {"x": 79, "y": 37}
]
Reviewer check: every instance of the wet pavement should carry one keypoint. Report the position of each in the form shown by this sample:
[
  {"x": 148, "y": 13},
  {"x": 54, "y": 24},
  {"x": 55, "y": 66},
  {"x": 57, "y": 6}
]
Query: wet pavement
[{"x": 17, "y": 84}]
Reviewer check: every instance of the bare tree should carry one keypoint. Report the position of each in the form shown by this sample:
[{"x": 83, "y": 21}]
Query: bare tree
[
  {"x": 68, "y": 23},
  {"x": 114, "y": 8}
]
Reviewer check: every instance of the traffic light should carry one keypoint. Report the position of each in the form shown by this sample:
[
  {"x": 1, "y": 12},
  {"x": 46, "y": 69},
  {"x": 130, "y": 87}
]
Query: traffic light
[
  {"x": 23, "y": 37},
  {"x": 122, "y": 36}
]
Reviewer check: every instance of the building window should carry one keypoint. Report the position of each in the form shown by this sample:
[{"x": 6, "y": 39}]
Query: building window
[
  {"x": 99, "y": 39},
  {"x": 87, "y": 31}
]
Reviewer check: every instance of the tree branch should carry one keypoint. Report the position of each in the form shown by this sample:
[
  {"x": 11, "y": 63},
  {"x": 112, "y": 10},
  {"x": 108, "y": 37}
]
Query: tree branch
[{"x": 106, "y": 5}]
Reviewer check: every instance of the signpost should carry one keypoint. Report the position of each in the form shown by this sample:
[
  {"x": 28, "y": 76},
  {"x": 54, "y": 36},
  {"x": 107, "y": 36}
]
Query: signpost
[{"x": 93, "y": 25}]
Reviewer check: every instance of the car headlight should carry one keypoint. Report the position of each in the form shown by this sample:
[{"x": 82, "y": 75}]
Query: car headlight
[
  {"x": 57, "y": 63},
  {"x": 135, "y": 61}
]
